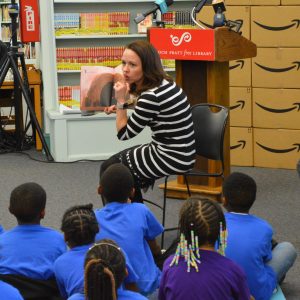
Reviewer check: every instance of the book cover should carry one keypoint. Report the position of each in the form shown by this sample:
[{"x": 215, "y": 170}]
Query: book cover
[
  {"x": 96, "y": 87},
  {"x": 145, "y": 24}
]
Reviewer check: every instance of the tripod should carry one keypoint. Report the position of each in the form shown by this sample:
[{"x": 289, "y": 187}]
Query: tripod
[{"x": 21, "y": 87}]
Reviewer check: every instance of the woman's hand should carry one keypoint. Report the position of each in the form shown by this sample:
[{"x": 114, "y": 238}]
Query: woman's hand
[
  {"x": 110, "y": 109},
  {"x": 121, "y": 89}
]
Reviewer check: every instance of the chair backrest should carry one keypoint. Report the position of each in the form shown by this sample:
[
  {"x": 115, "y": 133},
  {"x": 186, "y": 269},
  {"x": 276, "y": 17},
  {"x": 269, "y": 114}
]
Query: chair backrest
[{"x": 209, "y": 124}]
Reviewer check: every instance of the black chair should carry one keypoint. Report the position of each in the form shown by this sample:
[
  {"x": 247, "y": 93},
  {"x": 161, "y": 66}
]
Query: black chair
[{"x": 209, "y": 124}]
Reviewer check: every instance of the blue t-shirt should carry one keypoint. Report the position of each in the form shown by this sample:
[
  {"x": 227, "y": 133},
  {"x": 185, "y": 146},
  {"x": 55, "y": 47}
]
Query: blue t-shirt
[
  {"x": 249, "y": 245},
  {"x": 131, "y": 225},
  {"x": 218, "y": 278},
  {"x": 30, "y": 250},
  {"x": 121, "y": 295},
  {"x": 1, "y": 229},
  {"x": 69, "y": 271},
  {"x": 9, "y": 292}
]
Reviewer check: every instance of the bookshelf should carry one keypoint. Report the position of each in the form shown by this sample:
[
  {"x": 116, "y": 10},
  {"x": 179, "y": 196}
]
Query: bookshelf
[{"x": 69, "y": 145}]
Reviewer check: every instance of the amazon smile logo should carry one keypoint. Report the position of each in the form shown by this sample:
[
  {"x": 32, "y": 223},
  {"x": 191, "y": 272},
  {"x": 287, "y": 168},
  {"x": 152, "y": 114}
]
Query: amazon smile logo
[
  {"x": 296, "y": 64},
  {"x": 294, "y": 22},
  {"x": 296, "y": 106},
  {"x": 239, "y": 63},
  {"x": 286, "y": 150},
  {"x": 240, "y": 144},
  {"x": 240, "y": 103}
]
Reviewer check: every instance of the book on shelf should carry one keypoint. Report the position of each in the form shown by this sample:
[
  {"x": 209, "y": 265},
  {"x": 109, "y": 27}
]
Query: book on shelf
[
  {"x": 75, "y": 58},
  {"x": 143, "y": 26},
  {"x": 178, "y": 19},
  {"x": 66, "y": 110},
  {"x": 69, "y": 96},
  {"x": 100, "y": 23}
]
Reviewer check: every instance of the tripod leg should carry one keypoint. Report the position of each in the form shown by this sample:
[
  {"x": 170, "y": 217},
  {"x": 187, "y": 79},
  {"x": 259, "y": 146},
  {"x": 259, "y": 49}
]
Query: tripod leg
[
  {"x": 3, "y": 70},
  {"x": 17, "y": 96},
  {"x": 28, "y": 102}
]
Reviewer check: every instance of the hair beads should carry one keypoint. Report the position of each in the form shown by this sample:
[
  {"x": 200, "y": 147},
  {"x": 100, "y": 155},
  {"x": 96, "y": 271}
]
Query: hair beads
[
  {"x": 190, "y": 252},
  {"x": 187, "y": 251},
  {"x": 222, "y": 240}
]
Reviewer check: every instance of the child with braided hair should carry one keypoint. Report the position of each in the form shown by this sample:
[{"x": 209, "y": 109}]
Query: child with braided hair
[
  {"x": 197, "y": 270},
  {"x": 104, "y": 272},
  {"x": 80, "y": 226}
]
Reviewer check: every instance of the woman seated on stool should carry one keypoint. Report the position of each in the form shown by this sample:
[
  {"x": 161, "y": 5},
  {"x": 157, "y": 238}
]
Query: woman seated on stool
[{"x": 161, "y": 105}]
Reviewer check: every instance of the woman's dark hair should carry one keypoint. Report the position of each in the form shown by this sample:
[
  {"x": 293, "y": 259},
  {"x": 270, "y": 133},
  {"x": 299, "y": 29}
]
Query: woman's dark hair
[
  {"x": 80, "y": 225},
  {"x": 27, "y": 202},
  {"x": 105, "y": 270},
  {"x": 203, "y": 216},
  {"x": 153, "y": 72}
]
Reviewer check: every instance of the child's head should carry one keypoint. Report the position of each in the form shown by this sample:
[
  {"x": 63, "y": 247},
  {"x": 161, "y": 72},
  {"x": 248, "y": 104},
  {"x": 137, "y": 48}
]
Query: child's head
[
  {"x": 79, "y": 225},
  {"x": 27, "y": 203},
  {"x": 202, "y": 224},
  {"x": 105, "y": 270},
  {"x": 116, "y": 183},
  {"x": 239, "y": 191},
  {"x": 203, "y": 217}
]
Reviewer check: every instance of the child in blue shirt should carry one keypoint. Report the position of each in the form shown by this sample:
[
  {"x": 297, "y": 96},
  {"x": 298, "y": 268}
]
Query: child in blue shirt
[
  {"x": 104, "y": 272},
  {"x": 9, "y": 292},
  {"x": 249, "y": 241},
  {"x": 79, "y": 225},
  {"x": 30, "y": 249},
  {"x": 132, "y": 225}
]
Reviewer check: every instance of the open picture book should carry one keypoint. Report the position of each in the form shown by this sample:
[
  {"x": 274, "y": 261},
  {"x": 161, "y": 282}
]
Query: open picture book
[{"x": 96, "y": 87}]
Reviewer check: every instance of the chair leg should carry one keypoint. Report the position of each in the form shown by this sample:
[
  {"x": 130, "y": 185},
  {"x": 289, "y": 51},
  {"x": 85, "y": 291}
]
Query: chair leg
[
  {"x": 187, "y": 185},
  {"x": 164, "y": 211}
]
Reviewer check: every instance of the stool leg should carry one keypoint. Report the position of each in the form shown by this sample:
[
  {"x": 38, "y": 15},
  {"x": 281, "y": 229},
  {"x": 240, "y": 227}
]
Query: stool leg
[
  {"x": 164, "y": 211},
  {"x": 187, "y": 185}
]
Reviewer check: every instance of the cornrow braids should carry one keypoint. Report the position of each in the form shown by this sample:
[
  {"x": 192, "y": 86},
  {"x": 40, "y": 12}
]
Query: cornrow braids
[
  {"x": 203, "y": 216},
  {"x": 201, "y": 222},
  {"x": 80, "y": 225},
  {"x": 105, "y": 270}
]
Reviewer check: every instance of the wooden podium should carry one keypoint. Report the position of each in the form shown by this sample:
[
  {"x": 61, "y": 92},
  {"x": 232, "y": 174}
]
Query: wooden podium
[{"x": 202, "y": 70}]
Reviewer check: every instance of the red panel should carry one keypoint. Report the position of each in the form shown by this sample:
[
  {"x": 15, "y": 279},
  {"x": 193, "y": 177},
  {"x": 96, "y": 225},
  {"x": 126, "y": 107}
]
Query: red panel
[
  {"x": 183, "y": 44},
  {"x": 29, "y": 21}
]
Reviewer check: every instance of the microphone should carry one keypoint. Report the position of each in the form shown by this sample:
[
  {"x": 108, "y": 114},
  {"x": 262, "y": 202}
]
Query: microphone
[
  {"x": 199, "y": 6},
  {"x": 162, "y": 5}
]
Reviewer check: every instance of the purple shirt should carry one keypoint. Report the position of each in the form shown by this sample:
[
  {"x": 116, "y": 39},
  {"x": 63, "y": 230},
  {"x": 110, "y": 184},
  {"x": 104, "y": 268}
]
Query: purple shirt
[{"x": 218, "y": 278}]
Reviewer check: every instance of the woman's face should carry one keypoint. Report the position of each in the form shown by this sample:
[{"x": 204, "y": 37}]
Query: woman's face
[{"x": 132, "y": 67}]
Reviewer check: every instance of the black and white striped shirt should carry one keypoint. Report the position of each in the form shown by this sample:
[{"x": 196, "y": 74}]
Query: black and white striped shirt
[{"x": 166, "y": 111}]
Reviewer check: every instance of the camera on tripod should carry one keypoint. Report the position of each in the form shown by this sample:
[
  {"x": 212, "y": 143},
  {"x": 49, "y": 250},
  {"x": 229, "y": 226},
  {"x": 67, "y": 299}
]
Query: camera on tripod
[{"x": 11, "y": 58}]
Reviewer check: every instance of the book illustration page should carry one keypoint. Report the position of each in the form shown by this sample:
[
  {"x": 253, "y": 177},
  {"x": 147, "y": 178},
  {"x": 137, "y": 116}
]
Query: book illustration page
[{"x": 96, "y": 87}]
